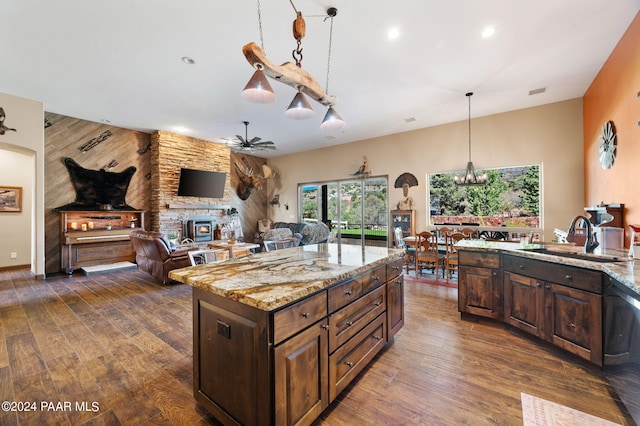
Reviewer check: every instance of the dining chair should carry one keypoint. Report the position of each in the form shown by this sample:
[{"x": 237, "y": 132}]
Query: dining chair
[
  {"x": 443, "y": 232},
  {"x": 409, "y": 252},
  {"x": 427, "y": 253},
  {"x": 279, "y": 244},
  {"x": 451, "y": 254},
  {"x": 200, "y": 257},
  {"x": 469, "y": 233}
]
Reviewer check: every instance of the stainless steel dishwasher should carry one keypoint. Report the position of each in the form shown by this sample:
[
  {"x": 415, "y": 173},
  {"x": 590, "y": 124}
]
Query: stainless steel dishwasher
[{"x": 622, "y": 344}]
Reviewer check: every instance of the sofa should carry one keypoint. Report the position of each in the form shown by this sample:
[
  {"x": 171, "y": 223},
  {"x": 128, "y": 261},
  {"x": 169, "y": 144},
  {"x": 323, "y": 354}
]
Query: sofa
[
  {"x": 310, "y": 233},
  {"x": 154, "y": 255}
]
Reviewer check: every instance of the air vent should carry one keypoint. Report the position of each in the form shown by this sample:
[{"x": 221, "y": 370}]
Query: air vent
[
  {"x": 537, "y": 91},
  {"x": 409, "y": 120}
]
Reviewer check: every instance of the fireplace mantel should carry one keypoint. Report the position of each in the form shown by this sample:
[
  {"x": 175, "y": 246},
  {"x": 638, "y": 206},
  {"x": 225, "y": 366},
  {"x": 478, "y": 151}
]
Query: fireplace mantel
[{"x": 199, "y": 206}]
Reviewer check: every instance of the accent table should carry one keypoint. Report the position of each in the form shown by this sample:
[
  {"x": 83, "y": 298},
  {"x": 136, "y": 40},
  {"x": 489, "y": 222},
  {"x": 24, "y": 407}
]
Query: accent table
[{"x": 237, "y": 249}]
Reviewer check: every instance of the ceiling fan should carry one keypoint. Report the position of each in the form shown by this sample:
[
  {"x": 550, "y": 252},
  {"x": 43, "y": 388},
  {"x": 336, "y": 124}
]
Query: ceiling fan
[{"x": 246, "y": 144}]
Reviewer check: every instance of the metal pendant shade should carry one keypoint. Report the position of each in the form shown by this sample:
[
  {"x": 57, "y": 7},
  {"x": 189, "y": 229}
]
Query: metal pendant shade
[
  {"x": 332, "y": 120},
  {"x": 299, "y": 108},
  {"x": 258, "y": 89},
  {"x": 470, "y": 177}
]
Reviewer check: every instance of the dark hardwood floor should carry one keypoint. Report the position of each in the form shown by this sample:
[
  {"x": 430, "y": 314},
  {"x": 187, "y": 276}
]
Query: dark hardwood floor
[{"x": 117, "y": 347}]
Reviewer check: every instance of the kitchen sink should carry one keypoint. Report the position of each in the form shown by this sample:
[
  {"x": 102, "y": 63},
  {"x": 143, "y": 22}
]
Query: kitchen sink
[{"x": 577, "y": 255}]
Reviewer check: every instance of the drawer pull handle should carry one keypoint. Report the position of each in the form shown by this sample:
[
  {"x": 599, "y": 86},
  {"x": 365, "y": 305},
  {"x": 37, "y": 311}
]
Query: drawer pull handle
[
  {"x": 521, "y": 266},
  {"x": 572, "y": 325},
  {"x": 397, "y": 268},
  {"x": 349, "y": 364},
  {"x": 376, "y": 278},
  {"x": 494, "y": 273},
  {"x": 348, "y": 292},
  {"x": 568, "y": 277},
  {"x": 305, "y": 314},
  {"x": 349, "y": 323},
  {"x": 377, "y": 337},
  {"x": 376, "y": 304},
  {"x": 325, "y": 326}
]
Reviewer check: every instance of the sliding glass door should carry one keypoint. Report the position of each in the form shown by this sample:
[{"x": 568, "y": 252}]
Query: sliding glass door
[{"x": 356, "y": 210}]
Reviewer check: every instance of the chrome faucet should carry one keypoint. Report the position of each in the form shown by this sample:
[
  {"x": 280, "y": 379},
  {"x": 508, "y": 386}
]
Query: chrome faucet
[{"x": 592, "y": 242}]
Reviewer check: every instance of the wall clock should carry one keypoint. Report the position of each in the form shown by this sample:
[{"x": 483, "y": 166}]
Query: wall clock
[{"x": 607, "y": 146}]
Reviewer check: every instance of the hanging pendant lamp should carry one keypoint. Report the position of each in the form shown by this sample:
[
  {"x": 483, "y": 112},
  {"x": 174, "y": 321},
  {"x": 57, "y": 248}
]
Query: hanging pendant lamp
[
  {"x": 332, "y": 121},
  {"x": 470, "y": 177},
  {"x": 258, "y": 89},
  {"x": 299, "y": 108}
]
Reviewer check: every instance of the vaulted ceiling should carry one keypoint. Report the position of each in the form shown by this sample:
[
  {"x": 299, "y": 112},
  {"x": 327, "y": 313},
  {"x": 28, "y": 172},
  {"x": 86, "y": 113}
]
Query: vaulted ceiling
[{"x": 121, "y": 61}]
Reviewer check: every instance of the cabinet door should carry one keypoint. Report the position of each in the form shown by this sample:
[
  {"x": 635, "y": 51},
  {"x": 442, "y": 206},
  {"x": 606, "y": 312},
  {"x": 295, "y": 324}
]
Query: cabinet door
[
  {"x": 524, "y": 303},
  {"x": 301, "y": 376},
  {"x": 395, "y": 306},
  {"x": 480, "y": 291},
  {"x": 575, "y": 321}
]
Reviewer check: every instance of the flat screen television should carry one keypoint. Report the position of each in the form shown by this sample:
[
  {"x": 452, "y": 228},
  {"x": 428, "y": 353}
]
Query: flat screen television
[{"x": 201, "y": 183}]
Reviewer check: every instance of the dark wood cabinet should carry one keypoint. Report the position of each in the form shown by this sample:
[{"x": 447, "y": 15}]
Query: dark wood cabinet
[
  {"x": 405, "y": 220},
  {"x": 524, "y": 303},
  {"x": 559, "y": 303},
  {"x": 301, "y": 374},
  {"x": 575, "y": 321},
  {"x": 284, "y": 367},
  {"x": 479, "y": 284}
]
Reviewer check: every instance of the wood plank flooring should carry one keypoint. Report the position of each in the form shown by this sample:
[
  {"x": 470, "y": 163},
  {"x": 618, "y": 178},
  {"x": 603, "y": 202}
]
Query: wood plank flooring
[{"x": 119, "y": 345}]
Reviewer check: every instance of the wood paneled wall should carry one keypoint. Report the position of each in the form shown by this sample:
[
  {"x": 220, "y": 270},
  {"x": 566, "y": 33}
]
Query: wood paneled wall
[
  {"x": 153, "y": 188},
  {"x": 94, "y": 146}
]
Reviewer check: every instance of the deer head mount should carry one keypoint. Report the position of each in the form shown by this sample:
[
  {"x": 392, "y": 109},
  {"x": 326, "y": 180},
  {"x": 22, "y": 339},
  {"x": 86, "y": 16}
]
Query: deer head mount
[{"x": 248, "y": 180}]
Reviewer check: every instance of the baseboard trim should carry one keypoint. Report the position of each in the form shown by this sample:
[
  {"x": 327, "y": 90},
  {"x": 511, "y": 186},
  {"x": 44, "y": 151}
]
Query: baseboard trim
[{"x": 14, "y": 267}]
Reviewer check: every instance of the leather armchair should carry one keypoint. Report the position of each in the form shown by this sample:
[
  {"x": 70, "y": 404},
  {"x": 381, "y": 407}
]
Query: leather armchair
[{"x": 154, "y": 255}]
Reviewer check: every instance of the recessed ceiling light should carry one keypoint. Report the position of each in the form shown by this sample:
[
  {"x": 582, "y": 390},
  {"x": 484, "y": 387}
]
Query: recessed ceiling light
[
  {"x": 187, "y": 60},
  {"x": 393, "y": 33},
  {"x": 488, "y": 32}
]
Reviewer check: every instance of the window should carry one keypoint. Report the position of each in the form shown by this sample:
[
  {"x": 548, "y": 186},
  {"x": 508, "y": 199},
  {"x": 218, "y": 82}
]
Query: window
[
  {"x": 356, "y": 208},
  {"x": 511, "y": 198}
]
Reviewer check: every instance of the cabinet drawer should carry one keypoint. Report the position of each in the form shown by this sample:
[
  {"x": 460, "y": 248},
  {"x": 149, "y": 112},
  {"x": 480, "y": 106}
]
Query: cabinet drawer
[
  {"x": 373, "y": 279},
  {"x": 294, "y": 318},
  {"x": 394, "y": 268},
  {"x": 571, "y": 276},
  {"x": 350, "y": 359},
  {"x": 479, "y": 258},
  {"x": 345, "y": 293},
  {"x": 345, "y": 323}
]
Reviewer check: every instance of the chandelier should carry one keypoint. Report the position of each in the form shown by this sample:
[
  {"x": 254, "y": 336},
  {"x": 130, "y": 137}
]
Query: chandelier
[
  {"x": 470, "y": 177},
  {"x": 259, "y": 90}
]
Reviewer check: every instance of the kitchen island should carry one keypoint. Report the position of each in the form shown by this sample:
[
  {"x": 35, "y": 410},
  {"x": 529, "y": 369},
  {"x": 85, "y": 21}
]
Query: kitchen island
[{"x": 278, "y": 335}]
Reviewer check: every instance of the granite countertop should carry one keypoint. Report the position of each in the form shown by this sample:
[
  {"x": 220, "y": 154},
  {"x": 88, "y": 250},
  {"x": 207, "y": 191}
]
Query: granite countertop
[
  {"x": 270, "y": 280},
  {"x": 620, "y": 267}
]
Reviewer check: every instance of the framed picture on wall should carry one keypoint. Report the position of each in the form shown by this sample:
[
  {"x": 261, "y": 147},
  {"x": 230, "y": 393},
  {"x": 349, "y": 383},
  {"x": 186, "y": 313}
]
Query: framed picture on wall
[{"x": 10, "y": 199}]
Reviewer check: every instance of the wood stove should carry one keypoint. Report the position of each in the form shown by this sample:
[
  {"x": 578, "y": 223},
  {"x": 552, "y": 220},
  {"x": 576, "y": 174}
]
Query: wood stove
[{"x": 199, "y": 229}]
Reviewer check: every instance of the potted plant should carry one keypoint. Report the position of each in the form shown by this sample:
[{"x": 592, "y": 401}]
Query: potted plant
[
  {"x": 108, "y": 225},
  {"x": 173, "y": 239}
]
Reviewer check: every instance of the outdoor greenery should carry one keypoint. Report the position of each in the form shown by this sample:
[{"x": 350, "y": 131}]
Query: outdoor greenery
[
  {"x": 351, "y": 195},
  {"x": 510, "y": 195}
]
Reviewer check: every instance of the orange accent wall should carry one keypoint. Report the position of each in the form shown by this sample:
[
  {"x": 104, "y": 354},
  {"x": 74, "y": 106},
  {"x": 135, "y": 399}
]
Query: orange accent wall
[{"x": 614, "y": 95}]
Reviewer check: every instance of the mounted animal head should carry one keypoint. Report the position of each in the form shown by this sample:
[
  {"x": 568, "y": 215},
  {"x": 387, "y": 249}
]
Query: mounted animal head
[{"x": 248, "y": 181}]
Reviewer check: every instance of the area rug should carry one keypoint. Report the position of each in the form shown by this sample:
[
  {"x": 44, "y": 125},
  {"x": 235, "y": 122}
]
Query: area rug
[
  {"x": 540, "y": 412},
  {"x": 432, "y": 281}
]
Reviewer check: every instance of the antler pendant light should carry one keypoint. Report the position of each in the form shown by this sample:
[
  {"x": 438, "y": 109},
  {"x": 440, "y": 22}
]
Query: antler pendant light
[{"x": 470, "y": 177}]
